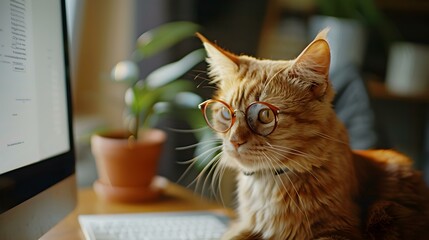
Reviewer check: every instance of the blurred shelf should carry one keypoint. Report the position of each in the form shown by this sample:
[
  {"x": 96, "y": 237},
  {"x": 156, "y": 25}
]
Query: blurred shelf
[
  {"x": 378, "y": 90},
  {"x": 410, "y": 6}
]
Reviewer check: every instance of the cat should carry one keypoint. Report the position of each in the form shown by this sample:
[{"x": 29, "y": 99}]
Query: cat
[{"x": 297, "y": 176}]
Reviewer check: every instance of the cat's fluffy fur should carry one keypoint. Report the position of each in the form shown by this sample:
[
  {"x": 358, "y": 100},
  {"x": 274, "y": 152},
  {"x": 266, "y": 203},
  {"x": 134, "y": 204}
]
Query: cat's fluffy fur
[{"x": 328, "y": 191}]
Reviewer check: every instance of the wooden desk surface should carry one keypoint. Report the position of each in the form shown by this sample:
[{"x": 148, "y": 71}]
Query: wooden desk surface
[{"x": 175, "y": 198}]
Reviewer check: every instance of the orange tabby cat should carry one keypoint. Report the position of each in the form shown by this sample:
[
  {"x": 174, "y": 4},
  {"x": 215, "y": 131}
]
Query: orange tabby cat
[{"x": 298, "y": 177}]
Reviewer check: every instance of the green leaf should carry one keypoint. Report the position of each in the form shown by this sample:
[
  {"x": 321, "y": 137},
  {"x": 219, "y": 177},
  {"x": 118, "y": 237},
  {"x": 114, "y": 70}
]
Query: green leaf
[
  {"x": 172, "y": 71},
  {"x": 125, "y": 71},
  {"x": 164, "y": 36},
  {"x": 188, "y": 100},
  {"x": 131, "y": 101},
  {"x": 146, "y": 103},
  {"x": 170, "y": 90},
  {"x": 148, "y": 99}
]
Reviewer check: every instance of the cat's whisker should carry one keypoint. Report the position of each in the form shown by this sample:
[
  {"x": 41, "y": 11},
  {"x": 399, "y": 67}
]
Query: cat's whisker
[
  {"x": 196, "y": 159},
  {"x": 222, "y": 173},
  {"x": 211, "y": 172},
  {"x": 205, "y": 176},
  {"x": 297, "y": 163},
  {"x": 202, "y": 82},
  {"x": 282, "y": 154},
  {"x": 197, "y": 179},
  {"x": 199, "y": 71},
  {"x": 307, "y": 171},
  {"x": 328, "y": 137},
  {"x": 188, "y": 169},
  {"x": 197, "y": 75},
  {"x": 208, "y": 142},
  {"x": 212, "y": 87},
  {"x": 217, "y": 177},
  {"x": 295, "y": 152},
  {"x": 206, "y": 152},
  {"x": 207, "y": 155},
  {"x": 187, "y": 130},
  {"x": 204, "y": 79}
]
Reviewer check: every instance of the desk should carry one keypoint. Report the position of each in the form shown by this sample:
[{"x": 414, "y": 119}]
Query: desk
[{"x": 175, "y": 198}]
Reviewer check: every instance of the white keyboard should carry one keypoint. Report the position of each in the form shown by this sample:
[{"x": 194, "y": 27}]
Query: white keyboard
[{"x": 154, "y": 226}]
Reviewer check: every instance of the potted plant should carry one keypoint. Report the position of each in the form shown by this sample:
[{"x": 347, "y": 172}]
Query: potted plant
[{"x": 127, "y": 160}]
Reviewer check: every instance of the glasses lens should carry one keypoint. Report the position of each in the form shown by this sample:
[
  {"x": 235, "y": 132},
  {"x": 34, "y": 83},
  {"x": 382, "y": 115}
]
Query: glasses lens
[
  {"x": 261, "y": 119},
  {"x": 218, "y": 116}
]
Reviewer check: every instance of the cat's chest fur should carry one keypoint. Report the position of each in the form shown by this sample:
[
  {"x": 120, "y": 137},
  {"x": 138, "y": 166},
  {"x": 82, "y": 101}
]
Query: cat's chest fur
[
  {"x": 284, "y": 206},
  {"x": 272, "y": 203}
]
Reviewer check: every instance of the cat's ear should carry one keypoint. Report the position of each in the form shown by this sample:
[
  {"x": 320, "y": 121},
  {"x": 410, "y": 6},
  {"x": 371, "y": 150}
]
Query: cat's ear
[
  {"x": 221, "y": 62},
  {"x": 316, "y": 56},
  {"x": 314, "y": 62}
]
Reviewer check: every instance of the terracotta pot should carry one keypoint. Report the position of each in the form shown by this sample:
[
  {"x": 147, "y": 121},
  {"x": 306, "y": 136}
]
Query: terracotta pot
[{"x": 126, "y": 168}]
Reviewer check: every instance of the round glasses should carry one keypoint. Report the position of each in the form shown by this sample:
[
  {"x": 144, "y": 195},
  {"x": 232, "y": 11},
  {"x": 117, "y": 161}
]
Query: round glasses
[{"x": 261, "y": 117}]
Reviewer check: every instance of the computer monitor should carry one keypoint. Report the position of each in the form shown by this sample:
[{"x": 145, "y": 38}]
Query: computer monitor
[{"x": 37, "y": 162}]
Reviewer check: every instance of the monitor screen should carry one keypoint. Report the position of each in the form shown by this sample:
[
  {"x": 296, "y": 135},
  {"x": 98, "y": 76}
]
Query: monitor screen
[
  {"x": 36, "y": 146},
  {"x": 33, "y": 115}
]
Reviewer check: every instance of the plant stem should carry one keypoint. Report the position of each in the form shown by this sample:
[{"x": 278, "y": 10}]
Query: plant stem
[
  {"x": 146, "y": 116},
  {"x": 135, "y": 130}
]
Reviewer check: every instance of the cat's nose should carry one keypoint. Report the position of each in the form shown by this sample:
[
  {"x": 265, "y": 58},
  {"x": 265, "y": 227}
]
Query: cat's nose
[
  {"x": 239, "y": 133},
  {"x": 237, "y": 143}
]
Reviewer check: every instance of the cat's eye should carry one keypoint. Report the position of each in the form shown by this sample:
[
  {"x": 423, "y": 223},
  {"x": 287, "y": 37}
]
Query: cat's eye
[
  {"x": 266, "y": 116},
  {"x": 218, "y": 115},
  {"x": 225, "y": 113},
  {"x": 261, "y": 117}
]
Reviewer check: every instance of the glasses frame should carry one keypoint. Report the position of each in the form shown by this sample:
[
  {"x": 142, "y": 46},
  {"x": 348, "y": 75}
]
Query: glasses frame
[{"x": 203, "y": 107}]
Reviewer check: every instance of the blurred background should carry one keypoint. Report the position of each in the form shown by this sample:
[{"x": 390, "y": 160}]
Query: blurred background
[{"x": 381, "y": 45}]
